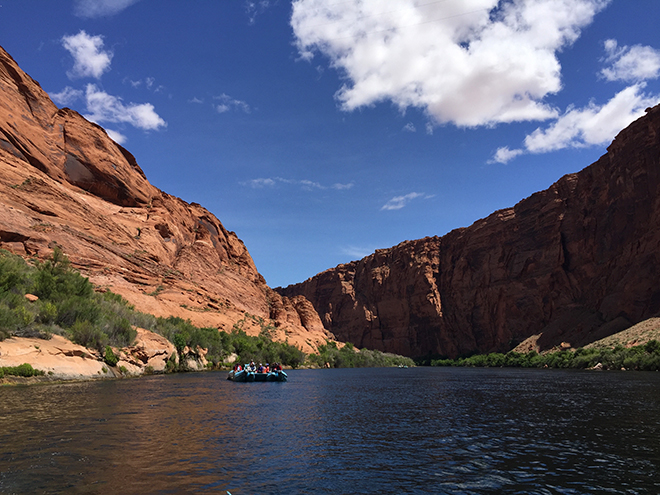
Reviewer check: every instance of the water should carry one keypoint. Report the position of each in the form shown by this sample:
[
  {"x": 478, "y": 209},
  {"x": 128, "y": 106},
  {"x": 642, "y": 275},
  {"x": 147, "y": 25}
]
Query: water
[{"x": 354, "y": 431}]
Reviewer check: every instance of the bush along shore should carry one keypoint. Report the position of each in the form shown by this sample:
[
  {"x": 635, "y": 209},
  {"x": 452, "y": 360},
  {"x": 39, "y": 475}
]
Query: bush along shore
[
  {"x": 642, "y": 358},
  {"x": 66, "y": 304}
]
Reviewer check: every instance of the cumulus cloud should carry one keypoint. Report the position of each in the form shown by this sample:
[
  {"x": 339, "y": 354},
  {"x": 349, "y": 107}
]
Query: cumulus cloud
[
  {"x": 103, "y": 107},
  {"x": 227, "y": 103},
  {"x": 593, "y": 124},
  {"x": 89, "y": 58},
  {"x": 588, "y": 126},
  {"x": 467, "y": 62},
  {"x": 67, "y": 96},
  {"x": 631, "y": 64},
  {"x": 305, "y": 184},
  {"x": 505, "y": 155},
  {"x": 398, "y": 202},
  {"x": 100, "y": 8}
]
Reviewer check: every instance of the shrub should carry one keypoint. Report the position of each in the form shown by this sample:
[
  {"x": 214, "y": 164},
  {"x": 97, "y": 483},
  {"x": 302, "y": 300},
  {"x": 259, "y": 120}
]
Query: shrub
[
  {"x": 110, "y": 358},
  {"x": 652, "y": 347},
  {"x": 25, "y": 370},
  {"x": 86, "y": 334},
  {"x": 48, "y": 313}
]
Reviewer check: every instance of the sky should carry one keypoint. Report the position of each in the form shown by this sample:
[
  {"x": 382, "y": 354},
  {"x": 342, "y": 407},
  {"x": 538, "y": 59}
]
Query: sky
[{"x": 322, "y": 130}]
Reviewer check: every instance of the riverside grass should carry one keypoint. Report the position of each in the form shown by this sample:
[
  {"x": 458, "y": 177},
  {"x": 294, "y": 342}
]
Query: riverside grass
[{"x": 644, "y": 357}]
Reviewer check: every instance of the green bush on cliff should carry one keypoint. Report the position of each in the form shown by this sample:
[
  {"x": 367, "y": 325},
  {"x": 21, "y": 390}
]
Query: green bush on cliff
[
  {"x": 67, "y": 304},
  {"x": 110, "y": 358}
]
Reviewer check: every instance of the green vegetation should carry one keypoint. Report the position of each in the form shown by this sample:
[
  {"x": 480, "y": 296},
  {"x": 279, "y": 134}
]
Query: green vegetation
[
  {"x": 68, "y": 305},
  {"x": 110, "y": 358},
  {"x": 642, "y": 357},
  {"x": 24, "y": 369},
  {"x": 347, "y": 357}
]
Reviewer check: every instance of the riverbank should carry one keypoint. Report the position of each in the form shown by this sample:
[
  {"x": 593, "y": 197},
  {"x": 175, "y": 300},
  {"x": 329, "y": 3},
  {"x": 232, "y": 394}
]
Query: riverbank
[{"x": 62, "y": 360}]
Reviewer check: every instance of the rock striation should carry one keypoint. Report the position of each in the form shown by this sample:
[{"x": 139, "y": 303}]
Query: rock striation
[
  {"x": 574, "y": 263},
  {"x": 64, "y": 182}
]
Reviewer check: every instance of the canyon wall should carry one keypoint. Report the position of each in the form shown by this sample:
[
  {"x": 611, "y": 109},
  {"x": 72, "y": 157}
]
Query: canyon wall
[
  {"x": 64, "y": 182},
  {"x": 571, "y": 264}
]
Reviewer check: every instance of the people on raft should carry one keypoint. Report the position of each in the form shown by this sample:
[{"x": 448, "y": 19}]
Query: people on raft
[{"x": 251, "y": 367}]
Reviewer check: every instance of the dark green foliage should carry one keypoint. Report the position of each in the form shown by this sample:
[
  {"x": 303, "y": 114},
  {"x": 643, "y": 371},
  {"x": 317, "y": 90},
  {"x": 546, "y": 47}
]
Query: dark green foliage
[
  {"x": 88, "y": 335},
  {"x": 110, "y": 358},
  {"x": 55, "y": 280},
  {"x": 349, "y": 357},
  {"x": 263, "y": 350},
  {"x": 24, "y": 369},
  {"x": 67, "y": 304},
  {"x": 219, "y": 345},
  {"x": 643, "y": 357}
]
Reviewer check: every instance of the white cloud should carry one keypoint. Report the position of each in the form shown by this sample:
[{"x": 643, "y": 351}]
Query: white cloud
[
  {"x": 469, "y": 62},
  {"x": 409, "y": 127},
  {"x": 631, "y": 64},
  {"x": 505, "y": 155},
  {"x": 398, "y": 202},
  {"x": 90, "y": 60},
  {"x": 103, "y": 107},
  {"x": 100, "y": 8},
  {"x": 343, "y": 187},
  {"x": 228, "y": 103},
  {"x": 116, "y": 136},
  {"x": 305, "y": 184},
  {"x": 67, "y": 96},
  {"x": 593, "y": 124},
  {"x": 589, "y": 126}
]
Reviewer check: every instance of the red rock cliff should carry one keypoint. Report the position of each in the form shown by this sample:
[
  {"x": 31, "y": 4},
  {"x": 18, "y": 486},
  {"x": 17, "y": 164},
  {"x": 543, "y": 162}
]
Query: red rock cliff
[
  {"x": 64, "y": 181},
  {"x": 573, "y": 263}
]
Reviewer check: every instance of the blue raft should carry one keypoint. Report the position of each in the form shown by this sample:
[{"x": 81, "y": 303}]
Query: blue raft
[{"x": 253, "y": 376}]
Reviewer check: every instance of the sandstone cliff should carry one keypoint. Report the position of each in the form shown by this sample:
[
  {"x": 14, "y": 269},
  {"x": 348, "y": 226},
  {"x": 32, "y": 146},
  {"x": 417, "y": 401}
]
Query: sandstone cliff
[
  {"x": 64, "y": 181},
  {"x": 574, "y": 263}
]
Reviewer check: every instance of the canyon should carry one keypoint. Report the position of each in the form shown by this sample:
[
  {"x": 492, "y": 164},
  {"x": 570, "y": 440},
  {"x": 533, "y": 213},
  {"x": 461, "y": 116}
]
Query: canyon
[
  {"x": 564, "y": 267},
  {"x": 64, "y": 182}
]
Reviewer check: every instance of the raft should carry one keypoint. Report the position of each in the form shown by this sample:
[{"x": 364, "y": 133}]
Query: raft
[{"x": 253, "y": 376}]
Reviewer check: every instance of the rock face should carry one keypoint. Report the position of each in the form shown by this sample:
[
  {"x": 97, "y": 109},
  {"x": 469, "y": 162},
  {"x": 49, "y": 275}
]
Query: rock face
[
  {"x": 574, "y": 263},
  {"x": 61, "y": 359},
  {"x": 64, "y": 181}
]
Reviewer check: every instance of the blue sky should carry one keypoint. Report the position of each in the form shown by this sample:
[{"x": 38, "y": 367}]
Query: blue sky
[{"x": 321, "y": 130}]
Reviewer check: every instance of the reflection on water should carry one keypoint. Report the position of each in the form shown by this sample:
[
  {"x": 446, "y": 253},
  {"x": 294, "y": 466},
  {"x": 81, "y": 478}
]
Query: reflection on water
[{"x": 337, "y": 431}]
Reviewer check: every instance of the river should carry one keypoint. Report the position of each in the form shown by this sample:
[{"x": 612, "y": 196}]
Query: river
[{"x": 345, "y": 431}]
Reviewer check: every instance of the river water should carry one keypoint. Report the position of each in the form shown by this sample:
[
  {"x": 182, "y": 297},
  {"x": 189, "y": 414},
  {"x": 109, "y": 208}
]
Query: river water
[{"x": 346, "y": 431}]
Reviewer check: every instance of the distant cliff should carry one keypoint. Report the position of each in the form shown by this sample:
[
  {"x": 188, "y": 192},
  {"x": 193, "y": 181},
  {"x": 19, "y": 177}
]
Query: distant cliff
[
  {"x": 64, "y": 181},
  {"x": 574, "y": 263}
]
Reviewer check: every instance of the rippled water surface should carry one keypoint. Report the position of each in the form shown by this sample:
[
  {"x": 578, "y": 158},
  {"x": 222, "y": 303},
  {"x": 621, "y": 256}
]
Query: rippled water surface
[{"x": 354, "y": 431}]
